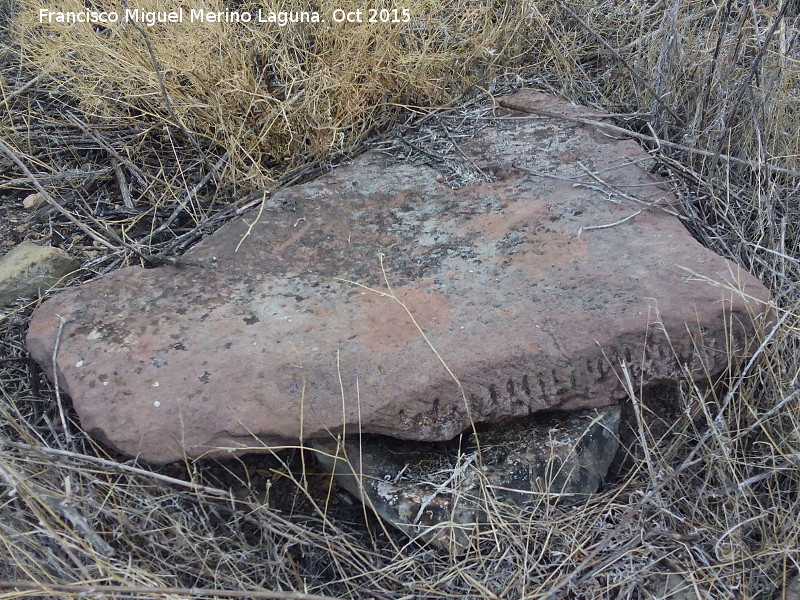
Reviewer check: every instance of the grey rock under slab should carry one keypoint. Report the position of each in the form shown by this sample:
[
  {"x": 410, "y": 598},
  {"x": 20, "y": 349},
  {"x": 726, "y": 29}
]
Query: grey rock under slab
[
  {"x": 444, "y": 495},
  {"x": 293, "y": 331},
  {"x": 29, "y": 269}
]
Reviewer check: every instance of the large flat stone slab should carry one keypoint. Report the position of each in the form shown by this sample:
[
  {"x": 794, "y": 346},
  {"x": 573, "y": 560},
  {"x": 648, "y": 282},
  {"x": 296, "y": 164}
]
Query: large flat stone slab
[{"x": 524, "y": 300}]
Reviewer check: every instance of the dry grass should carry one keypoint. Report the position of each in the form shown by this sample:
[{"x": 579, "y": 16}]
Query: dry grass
[
  {"x": 265, "y": 98},
  {"x": 150, "y": 138}
]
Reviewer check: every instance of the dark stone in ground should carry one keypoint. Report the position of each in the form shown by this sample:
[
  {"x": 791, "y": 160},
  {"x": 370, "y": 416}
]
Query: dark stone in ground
[
  {"x": 526, "y": 305},
  {"x": 448, "y": 496}
]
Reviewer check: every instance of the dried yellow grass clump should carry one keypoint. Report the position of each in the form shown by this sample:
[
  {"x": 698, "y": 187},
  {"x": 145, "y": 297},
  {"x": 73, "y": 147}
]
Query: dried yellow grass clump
[
  {"x": 270, "y": 96},
  {"x": 264, "y": 98}
]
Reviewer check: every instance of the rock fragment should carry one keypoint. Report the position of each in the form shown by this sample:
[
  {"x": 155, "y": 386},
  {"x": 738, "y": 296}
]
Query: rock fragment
[
  {"x": 445, "y": 494},
  {"x": 34, "y": 201},
  {"x": 29, "y": 269}
]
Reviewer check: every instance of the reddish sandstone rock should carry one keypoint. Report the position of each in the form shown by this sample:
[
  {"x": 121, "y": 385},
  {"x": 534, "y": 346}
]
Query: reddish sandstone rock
[{"x": 279, "y": 341}]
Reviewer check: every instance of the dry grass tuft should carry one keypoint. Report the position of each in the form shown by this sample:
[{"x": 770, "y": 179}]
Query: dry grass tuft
[
  {"x": 148, "y": 139},
  {"x": 267, "y": 98}
]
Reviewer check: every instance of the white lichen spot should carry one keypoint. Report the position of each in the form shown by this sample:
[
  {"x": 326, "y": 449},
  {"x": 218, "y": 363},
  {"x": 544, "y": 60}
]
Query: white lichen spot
[{"x": 386, "y": 491}]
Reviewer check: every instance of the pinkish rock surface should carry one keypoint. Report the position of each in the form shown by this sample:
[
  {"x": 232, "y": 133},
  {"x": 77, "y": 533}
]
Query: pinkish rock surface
[{"x": 529, "y": 307}]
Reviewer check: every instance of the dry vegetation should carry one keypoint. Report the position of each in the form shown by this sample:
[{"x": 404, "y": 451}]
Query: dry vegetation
[{"x": 145, "y": 139}]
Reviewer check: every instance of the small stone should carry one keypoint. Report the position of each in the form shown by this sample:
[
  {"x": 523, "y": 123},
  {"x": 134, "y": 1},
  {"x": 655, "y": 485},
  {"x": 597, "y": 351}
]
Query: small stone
[
  {"x": 34, "y": 201},
  {"x": 28, "y": 270}
]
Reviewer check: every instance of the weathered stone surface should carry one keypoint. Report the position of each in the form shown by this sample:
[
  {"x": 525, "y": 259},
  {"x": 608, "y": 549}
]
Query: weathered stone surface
[
  {"x": 443, "y": 494},
  {"x": 278, "y": 340},
  {"x": 28, "y": 269}
]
